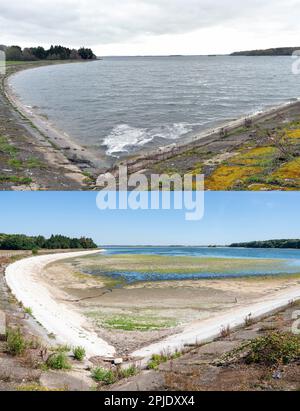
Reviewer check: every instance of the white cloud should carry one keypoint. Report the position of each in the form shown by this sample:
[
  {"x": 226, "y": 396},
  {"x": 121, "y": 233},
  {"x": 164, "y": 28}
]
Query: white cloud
[{"x": 151, "y": 26}]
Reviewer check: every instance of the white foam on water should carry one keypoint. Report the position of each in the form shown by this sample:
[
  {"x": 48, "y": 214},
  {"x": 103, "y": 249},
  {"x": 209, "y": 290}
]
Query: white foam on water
[{"x": 123, "y": 138}]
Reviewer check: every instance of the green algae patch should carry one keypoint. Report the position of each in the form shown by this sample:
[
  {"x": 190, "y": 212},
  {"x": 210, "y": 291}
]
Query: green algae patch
[
  {"x": 105, "y": 265},
  {"x": 132, "y": 322}
]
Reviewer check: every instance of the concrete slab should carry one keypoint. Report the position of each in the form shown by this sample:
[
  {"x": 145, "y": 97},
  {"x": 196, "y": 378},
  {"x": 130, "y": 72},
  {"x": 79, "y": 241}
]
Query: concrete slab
[{"x": 2, "y": 325}]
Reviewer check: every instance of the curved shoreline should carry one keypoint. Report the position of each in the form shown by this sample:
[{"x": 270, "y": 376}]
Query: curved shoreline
[
  {"x": 58, "y": 138},
  {"x": 138, "y": 162},
  {"x": 143, "y": 158},
  {"x": 24, "y": 278},
  {"x": 69, "y": 326}
]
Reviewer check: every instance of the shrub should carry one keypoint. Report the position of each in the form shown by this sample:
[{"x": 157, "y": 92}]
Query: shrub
[
  {"x": 16, "y": 343},
  {"x": 129, "y": 372},
  {"x": 79, "y": 353},
  {"x": 108, "y": 377},
  {"x": 28, "y": 311},
  {"x": 58, "y": 361},
  {"x": 156, "y": 360},
  {"x": 225, "y": 332},
  {"x": 62, "y": 348},
  {"x": 274, "y": 349}
]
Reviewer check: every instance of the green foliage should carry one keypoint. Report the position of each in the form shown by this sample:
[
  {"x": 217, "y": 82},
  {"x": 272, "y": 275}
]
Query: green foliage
[
  {"x": 6, "y": 147},
  {"x": 15, "y": 342},
  {"x": 79, "y": 353},
  {"x": 269, "y": 244},
  {"x": 62, "y": 348},
  {"x": 86, "y": 54},
  {"x": 158, "y": 359},
  {"x": 107, "y": 377},
  {"x": 137, "y": 323},
  {"x": 129, "y": 372},
  {"x": 58, "y": 361},
  {"x": 274, "y": 349},
  {"x": 23, "y": 242},
  {"x": 15, "y": 53},
  {"x": 28, "y": 311},
  {"x": 15, "y": 179}
]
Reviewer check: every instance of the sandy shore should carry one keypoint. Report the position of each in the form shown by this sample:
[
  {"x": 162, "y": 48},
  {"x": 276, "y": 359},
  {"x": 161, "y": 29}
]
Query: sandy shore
[{"x": 69, "y": 326}]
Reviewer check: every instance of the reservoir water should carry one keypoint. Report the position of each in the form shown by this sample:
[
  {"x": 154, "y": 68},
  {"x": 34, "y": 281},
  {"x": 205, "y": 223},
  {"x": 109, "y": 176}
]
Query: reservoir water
[{"x": 121, "y": 105}]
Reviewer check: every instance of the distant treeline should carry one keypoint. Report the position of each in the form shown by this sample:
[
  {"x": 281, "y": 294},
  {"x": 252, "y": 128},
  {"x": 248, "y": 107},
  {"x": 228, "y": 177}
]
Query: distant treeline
[
  {"x": 23, "y": 242},
  {"x": 281, "y": 51},
  {"x": 15, "y": 53},
  {"x": 270, "y": 244}
]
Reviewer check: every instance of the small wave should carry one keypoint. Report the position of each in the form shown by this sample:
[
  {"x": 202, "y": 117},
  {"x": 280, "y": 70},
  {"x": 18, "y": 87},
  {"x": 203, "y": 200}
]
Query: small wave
[{"x": 124, "y": 138}]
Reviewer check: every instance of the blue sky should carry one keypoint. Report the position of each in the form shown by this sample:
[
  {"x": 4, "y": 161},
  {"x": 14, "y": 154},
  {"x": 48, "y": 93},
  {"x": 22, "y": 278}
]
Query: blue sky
[{"x": 229, "y": 217}]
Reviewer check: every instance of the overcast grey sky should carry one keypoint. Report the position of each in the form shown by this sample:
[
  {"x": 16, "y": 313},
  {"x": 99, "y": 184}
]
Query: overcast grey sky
[{"x": 132, "y": 27}]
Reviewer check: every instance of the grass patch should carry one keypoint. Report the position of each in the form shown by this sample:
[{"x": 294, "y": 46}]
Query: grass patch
[
  {"x": 156, "y": 264},
  {"x": 15, "y": 179},
  {"x": 28, "y": 311},
  {"x": 274, "y": 349},
  {"x": 7, "y": 148},
  {"x": 158, "y": 359},
  {"x": 15, "y": 342},
  {"x": 129, "y": 372},
  {"x": 15, "y": 163},
  {"x": 79, "y": 353},
  {"x": 134, "y": 322},
  {"x": 107, "y": 377},
  {"x": 34, "y": 163},
  {"x": 58, "y": 361}
]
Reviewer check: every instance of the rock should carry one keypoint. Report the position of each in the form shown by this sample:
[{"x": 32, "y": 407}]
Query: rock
[
  {"x": 11, "y": 370},
  {"x": 118, "y": 361},
  {"x": 68, "y": 381},
  {"x": 2, "y": 326}
]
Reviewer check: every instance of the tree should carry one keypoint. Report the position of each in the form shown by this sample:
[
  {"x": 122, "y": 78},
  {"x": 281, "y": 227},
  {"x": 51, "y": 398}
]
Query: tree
[
  {"x": 39, "y": 52},
  {"x": 14, "y": 53},
  {"x": 74, "y": 55},
  {"x": 23, "y": 242},
  {"x": 86, "y": 54},
  {"x": 27, "y": 55}
]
